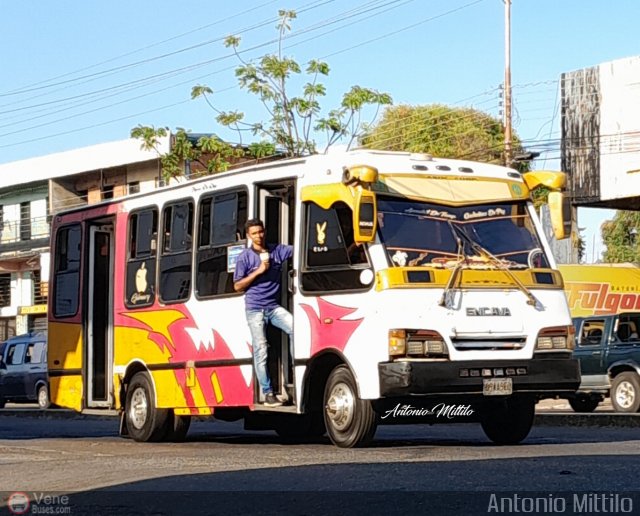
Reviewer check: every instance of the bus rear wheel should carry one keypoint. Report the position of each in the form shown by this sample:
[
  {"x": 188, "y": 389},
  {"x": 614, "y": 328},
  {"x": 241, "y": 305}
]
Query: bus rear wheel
[
  {"x": 176, "y": 428},
  {"x": 349, "y": 420},
  {"x": 145, "y": 422},
  {"x": 508, "y": 421}
]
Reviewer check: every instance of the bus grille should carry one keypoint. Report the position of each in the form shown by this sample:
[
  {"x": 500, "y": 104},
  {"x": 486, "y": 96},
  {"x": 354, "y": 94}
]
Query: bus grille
[{"x": 488, "y": 344}]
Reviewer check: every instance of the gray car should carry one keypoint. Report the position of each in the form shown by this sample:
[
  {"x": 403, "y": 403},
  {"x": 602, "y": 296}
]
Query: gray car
[{"x": 23, "y": 370}]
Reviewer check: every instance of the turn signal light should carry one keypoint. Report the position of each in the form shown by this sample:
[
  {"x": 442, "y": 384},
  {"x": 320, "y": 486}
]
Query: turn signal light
[{"x": 397, "y": 342}]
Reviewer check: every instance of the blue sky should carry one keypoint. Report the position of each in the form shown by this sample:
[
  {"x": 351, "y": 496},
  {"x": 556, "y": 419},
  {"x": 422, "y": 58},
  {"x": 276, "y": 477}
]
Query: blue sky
[{"x": 77, "y": 73}]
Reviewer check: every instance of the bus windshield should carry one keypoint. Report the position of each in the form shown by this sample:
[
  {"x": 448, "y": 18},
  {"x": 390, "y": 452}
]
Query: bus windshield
[{"x": 420, "y": 233}]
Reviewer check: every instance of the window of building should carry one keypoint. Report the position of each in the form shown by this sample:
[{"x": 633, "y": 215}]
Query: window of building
[
  {"x": 7, "y": 328},
  {"x": 107, "y": 192},
  {"x": 141, "y": 262},
  {"x": 39, "y": 224},
  {"x": 134, "y": 187},
  {"x": 25, "y": 221},
  {"x": 67, "y": 271},
  {"x": 175, "y": 261},
  {"x": 5, "y": 290},
  {"x": 221, "y": 222},
  {"x": 332, "y": 260},
  {"x": 39, "y": 293}
]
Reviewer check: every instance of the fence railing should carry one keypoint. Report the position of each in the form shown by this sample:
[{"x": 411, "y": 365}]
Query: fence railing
[{"x": 12, "y": 231}]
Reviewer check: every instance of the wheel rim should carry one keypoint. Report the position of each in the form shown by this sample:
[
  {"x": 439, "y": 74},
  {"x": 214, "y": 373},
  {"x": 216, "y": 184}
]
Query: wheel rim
[
  {"x": 625, "y": 395},
  {"x": 340, "y": 406},
  {"x": 138, "y": 408},
  {"x": 42, "y": 397}
]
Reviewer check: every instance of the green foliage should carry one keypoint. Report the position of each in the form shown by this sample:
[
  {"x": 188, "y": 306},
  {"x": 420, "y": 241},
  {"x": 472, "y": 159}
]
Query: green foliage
[
  {"x": 149, "y": 136},
  {"x": 621, "y": 237},
  {"x": 580, "y": 245},
  {"x": 209, "y": 151},
  {"x": 443, "y": 131},
  {"x": 540, "y": 196},
  {"x": 292, "y": 118}
]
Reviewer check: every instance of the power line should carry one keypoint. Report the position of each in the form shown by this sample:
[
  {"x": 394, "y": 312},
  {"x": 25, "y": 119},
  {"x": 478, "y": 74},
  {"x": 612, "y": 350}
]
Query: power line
[{"x": 148, "y": 79}]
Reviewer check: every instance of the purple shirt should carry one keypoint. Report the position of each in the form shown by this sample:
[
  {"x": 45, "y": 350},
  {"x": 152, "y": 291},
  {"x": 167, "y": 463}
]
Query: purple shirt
[{"x": 264, "y": 291}]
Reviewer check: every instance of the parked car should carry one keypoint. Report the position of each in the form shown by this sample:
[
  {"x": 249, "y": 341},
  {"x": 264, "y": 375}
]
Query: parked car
[
  {"x": 608, "y": 348},
  {"x": 23, "y": 370}
]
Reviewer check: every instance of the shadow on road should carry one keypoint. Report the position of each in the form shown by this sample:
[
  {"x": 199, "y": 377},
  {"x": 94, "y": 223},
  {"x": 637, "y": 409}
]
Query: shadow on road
[{"x": 446, "y": 487}]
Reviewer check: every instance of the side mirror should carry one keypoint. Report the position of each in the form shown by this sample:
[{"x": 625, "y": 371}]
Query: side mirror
[
  {"x": 560, "y": 213},
  {"x": 365, "y": 217}
]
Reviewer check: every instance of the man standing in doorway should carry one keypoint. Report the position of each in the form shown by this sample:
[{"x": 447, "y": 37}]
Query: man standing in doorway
[{"x": 257, "y": 274}]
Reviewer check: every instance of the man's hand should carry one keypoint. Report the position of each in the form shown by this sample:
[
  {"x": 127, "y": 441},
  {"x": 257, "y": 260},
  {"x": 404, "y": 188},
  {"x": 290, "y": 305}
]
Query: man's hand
[
  {"x": 243, "y": 284},
  {"x": 262, "y": 268}
]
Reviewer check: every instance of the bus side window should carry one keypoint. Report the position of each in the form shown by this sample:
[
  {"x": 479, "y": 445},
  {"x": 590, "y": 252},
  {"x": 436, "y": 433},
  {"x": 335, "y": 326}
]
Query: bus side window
[
  {"x": 66, "y": 280},
  {"x": 221, "y": 222},
  {"x": 333, "y": 261},
  {"x": 141, "y": 260},
  {"x": 175, "y": 260}
]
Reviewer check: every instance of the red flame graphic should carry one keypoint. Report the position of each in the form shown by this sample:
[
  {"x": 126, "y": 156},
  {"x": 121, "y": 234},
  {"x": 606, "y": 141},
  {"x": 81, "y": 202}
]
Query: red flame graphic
[{"x": 328, "y": 330}]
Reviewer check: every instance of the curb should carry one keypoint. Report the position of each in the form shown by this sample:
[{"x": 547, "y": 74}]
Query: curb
[
  {"x": 593, "y": 420},
  {"x": 55, "y": 414}
]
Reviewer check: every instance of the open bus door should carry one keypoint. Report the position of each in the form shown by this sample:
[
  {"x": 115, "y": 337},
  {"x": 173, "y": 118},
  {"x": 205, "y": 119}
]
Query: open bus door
[
  {"x": 276, "y": 208},
  {"x": 99, "y": 317}
]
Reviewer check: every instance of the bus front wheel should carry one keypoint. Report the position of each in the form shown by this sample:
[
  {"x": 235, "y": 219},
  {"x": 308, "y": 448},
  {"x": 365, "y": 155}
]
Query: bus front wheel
[
  {"x": 145, "y": 422},
  {"x": 349, "y": 420},
  {"x": 508, "y": 421}
]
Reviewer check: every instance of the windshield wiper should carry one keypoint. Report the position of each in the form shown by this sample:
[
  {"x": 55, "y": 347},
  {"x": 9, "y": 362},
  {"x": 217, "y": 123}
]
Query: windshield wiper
[
  {"x": 453, "y": 279},
  {"x": 483, "y": 252}
]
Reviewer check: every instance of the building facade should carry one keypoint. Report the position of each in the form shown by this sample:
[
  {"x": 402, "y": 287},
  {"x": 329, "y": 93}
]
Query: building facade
[{"x": 32, "y": 190}]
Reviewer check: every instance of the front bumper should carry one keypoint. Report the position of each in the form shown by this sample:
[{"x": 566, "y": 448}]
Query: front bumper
[{"x": 542, "y": 377}]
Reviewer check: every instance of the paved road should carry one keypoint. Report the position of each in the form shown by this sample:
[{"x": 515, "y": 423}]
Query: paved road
[{"x": 223, "y": 469}]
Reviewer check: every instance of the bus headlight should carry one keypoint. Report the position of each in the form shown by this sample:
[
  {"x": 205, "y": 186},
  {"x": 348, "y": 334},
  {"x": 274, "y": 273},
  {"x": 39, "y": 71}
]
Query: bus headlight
[
  {"x": 558, "y": 338},
  {"x": 417, "y": 344}
]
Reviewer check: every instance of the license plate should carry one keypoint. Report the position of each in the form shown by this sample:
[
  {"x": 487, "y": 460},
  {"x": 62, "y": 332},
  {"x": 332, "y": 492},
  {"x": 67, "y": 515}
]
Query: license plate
[{"x": 497, "y": 386}]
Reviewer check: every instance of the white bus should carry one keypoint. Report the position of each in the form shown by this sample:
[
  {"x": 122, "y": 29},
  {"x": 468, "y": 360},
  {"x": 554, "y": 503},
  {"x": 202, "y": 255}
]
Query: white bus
[{"x": 422, "y": 290}]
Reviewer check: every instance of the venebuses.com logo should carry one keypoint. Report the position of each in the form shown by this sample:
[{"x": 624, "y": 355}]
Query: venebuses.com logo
[{"x": 20, "y": 502}]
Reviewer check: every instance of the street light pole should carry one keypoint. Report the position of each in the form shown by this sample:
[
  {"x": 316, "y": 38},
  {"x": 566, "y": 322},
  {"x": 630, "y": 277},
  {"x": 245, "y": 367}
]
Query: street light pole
[{"x": 507, "y": 84}]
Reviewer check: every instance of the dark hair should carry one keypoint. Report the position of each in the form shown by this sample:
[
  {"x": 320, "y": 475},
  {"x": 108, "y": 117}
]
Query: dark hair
[{"x": 252, "y": 223}]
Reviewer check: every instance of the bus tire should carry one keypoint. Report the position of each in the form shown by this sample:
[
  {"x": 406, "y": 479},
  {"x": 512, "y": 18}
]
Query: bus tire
[
  {"x": 584, "y": 403},
  {"x": 625, "y": 392},
  {"x": 349, "y": 420},
  {"x": 177, "y": 427},
  {"x": 301, "y": 428},
  {"x": 145, "y": 422},
  {"x": 508, "y": 421}
]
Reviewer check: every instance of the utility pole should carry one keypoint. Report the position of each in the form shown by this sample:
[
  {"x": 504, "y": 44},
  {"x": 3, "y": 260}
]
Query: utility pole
[{"x": 507, "y": 83}]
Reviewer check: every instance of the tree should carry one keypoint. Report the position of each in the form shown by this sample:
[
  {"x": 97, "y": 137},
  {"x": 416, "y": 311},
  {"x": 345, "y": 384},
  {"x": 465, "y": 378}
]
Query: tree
[
  {"x": 443, "y": 131},
  {"x": 620, "y": 237},
  {"x": 293, "y": 120},
  {"x": 213, "y": 154}
]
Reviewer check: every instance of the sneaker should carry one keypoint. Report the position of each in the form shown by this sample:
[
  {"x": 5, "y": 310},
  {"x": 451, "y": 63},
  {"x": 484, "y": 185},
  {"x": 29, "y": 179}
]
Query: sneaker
[{"x": 270, "y": 400}]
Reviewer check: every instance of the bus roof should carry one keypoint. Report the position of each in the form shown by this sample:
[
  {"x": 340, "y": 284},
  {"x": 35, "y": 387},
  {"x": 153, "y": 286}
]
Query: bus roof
[{"x": 328, "y": 168}]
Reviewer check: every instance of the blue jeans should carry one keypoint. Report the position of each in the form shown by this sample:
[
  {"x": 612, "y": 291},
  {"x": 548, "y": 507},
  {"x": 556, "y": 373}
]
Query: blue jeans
[{"x": 258, "y": 320}]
